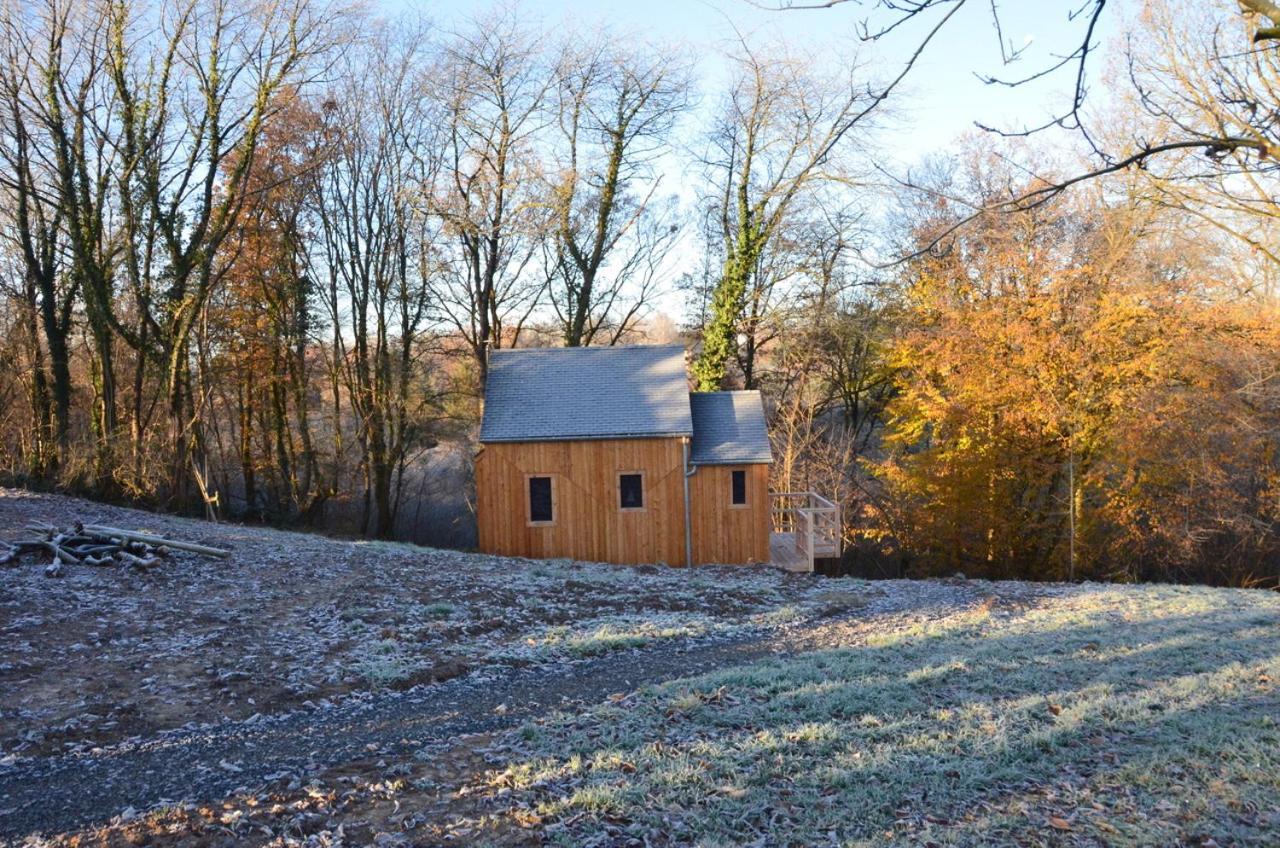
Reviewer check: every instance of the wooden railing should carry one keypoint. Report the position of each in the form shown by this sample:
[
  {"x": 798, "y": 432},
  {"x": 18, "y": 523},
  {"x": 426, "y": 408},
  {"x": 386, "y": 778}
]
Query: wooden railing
[{"x": 811, "y": 521}]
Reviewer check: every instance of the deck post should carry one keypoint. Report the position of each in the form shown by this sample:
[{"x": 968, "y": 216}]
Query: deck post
[
  {"x": 802, "y": 520},
  {"x": 811, "y": 523}
]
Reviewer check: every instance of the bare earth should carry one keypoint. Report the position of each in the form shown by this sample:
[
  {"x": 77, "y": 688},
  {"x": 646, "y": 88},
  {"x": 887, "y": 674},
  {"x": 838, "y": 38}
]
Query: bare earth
[
  {"x": 109, "y": 654},
  {"x": 294, "y": 629},
  {"x": 310, "y": 691}
]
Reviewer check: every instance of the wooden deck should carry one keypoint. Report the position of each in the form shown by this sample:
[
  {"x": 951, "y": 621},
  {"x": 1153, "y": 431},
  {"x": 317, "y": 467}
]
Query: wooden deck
[
  {"x": 785, "y": 554},
  {"x": 806, "y": 527}
]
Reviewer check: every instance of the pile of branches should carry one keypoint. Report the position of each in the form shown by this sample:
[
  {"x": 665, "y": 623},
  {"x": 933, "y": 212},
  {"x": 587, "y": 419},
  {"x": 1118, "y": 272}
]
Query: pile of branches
[{"x": 95, "y": 545}]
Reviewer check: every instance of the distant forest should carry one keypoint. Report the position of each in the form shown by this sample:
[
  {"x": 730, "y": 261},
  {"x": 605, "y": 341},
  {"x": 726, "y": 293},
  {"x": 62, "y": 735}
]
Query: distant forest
[{"x": 254, "y": 255}]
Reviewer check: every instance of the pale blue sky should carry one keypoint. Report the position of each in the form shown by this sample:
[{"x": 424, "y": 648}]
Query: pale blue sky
[{"x": 941, "y": 99}]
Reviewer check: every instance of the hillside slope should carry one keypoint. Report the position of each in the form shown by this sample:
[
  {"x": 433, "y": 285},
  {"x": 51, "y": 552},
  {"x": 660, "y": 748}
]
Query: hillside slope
[
  {"x": 313, "y": 691},
  {"x": 100, "y": 655}
]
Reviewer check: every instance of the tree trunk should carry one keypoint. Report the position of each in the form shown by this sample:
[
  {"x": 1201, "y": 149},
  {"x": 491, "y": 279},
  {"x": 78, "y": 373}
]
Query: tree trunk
[
  {"x": 245, "y": 396},
  {"x": 55, "y": 333},
  {"x": 104, "y": 419},
  {"x": 42, "y": 452}
]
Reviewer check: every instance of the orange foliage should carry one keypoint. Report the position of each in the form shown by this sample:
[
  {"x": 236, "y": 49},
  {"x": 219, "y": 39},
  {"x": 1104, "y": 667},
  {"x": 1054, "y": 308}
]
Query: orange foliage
[
  {"x": 262, "y": 316},
  {"x": 1069, "y": 405}
]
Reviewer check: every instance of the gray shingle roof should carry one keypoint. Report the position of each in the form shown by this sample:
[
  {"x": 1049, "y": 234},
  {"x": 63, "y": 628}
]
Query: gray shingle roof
[
  {"x": 543, "y": 394},
  {"x": 729, "y": 428}
]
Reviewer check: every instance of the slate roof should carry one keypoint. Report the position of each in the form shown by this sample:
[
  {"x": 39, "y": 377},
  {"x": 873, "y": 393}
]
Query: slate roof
[
  {"x": 557, "y": 394},
  {"x": 729, "y": 429}
]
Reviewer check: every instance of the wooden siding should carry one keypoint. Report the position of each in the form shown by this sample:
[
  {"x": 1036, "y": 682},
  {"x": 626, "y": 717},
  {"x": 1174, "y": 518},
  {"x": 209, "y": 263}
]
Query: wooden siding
[
  {"x": 588, "y": 523},
  {"x": 723, "y": 532}
]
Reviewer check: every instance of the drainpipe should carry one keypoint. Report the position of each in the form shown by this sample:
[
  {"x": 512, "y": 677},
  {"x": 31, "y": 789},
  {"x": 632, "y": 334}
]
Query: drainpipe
[{"x": 689, "y": 471}]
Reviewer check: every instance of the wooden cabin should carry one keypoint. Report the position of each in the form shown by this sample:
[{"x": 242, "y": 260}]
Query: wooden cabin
[{"x": 603, "y": 454}]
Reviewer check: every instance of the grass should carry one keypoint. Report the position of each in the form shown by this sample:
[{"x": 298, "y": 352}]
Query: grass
[
  {"x": 1133, "y": 715},
  {"x": 440, "y": 609},
  {"x": 385, "y": 662},
  {"x": 605, "y": 634}
]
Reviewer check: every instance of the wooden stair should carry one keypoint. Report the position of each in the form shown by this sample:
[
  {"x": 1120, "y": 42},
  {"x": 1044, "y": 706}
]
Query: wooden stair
[{"x": 806, "y": 527}]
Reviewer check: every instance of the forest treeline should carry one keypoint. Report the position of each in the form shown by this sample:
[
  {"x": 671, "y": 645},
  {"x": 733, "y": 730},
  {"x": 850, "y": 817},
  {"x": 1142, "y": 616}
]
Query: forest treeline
[{"x": 254, "y": 256}]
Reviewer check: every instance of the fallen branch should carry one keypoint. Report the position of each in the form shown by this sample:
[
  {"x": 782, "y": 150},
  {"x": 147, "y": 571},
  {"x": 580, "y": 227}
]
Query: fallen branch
[
  {"x": 156, "y": 541},
  {"x": 60, "y": 553},
  {"x": 97, "y": 545}
]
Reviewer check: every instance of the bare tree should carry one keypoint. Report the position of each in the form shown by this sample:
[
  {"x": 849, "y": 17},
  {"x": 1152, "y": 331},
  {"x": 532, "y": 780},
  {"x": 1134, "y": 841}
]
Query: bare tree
[
  {"x": 33, "y": 223},
  {"x": 378, "y": 250},
  {"x": 1192, "y": 79},
  {"x": 191, "y": 100},
  {"x": 774, "y": 141},
  {"x": 58, "y": 83},
  {"x": 615, "y": 111},
  {"x": 1242, "y": 139},
  {"x": 492, "y": 89}
]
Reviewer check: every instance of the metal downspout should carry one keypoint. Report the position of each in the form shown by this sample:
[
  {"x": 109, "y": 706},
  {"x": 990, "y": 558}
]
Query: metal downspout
[{"x": 689, "y": 471}]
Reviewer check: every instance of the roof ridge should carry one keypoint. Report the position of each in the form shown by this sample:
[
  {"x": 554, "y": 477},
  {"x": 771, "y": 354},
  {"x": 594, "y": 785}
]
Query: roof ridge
[{"x": 584, "y": 348}]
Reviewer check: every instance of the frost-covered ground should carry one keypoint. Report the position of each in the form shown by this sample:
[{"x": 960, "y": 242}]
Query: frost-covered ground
[
  {"x": 787, "y": 710},
  {"x": 107, "y": 654},
  {"x": 977, "y": 714},
  {"x": 1093, "y": 715}
]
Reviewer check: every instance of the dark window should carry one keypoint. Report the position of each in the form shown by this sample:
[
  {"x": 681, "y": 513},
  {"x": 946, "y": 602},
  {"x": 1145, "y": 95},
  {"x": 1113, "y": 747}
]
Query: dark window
[
  {"x": 540, "y": 499},
  {"x": 739, "y": 488},
  {"x": 631, "y": 491}
]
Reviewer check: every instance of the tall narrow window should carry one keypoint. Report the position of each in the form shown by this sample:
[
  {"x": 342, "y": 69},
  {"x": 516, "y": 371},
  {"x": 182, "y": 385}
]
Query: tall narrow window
[
  {"x": 631, "y": 491},
  {"x": 739, "y": 488},
  {"x": 541, "y": 502}
]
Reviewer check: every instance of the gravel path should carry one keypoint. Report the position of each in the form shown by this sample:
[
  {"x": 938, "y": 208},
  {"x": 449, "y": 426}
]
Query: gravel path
[
  {"x": 193, "y": 682},
  {"x": 61, "y": 793},
  {"x": 104, "y": 656}
]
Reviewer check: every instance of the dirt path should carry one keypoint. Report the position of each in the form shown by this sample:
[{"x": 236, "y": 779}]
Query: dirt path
[
  {"x": 72, "y": 791},
  {"x": 107, "y": 656}
]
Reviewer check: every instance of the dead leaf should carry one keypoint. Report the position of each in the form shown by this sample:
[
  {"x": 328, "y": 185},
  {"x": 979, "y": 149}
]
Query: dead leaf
[{"x": 1059, "y": 823}]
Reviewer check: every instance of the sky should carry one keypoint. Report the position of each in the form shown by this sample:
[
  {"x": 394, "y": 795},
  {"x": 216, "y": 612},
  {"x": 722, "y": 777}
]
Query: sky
[{"x": 941, "y": 99}]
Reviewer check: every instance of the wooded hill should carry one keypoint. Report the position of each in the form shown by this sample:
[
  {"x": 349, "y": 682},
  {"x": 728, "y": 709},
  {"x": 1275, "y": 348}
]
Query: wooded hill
[{"x": 254, "y": 256}]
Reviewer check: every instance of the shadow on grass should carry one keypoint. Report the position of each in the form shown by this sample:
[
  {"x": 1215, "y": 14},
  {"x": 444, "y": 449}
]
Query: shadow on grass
[{"x": 965, "y": 721}]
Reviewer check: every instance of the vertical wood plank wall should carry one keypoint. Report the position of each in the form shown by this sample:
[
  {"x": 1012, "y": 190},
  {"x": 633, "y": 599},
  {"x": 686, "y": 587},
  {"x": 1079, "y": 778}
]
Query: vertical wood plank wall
[
  {"x": 589, "y": 525},
  {"x": 721, "y": 531}
]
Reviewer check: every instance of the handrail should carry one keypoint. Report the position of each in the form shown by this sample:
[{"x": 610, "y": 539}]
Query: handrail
[
  {"x": 815, "y": 525},
  {"x": 823, "y": 503}
]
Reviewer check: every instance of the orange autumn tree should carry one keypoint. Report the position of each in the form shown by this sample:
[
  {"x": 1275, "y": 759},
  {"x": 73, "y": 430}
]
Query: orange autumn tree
[
  {"x": 1194, "y": 489},
  {"x": 262, "y": 322},
  {"x": 1069, "y": 404}
]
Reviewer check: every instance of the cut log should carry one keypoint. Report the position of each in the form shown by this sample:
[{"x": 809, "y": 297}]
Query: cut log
[
  {"x": 60, "y": 554},
  {"x": 148, "y": 539},
  {"x": 141, "y": 563}
]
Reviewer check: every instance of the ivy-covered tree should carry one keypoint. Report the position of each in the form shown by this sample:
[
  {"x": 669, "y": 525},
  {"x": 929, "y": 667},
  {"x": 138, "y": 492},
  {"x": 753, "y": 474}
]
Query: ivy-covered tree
[{"x": 775, "y": 142}]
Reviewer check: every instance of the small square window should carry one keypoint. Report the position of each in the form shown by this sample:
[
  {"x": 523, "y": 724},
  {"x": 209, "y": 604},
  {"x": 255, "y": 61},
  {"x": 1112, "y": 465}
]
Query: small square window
[
  {"x": 739, "y": 488},
  {"x": 541, "y": 502},
  {"x": 631, "y": 491}
]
